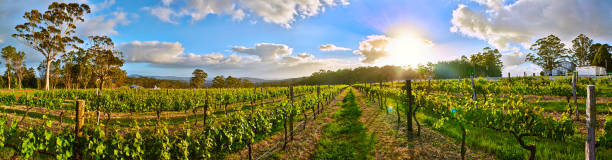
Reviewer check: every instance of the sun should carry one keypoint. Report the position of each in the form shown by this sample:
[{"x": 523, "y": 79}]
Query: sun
[{"x": 407, "y": 48}]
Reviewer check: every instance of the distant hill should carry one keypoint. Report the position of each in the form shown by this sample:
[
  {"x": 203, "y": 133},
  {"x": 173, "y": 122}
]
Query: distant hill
[{"x": 208, "y": 80}]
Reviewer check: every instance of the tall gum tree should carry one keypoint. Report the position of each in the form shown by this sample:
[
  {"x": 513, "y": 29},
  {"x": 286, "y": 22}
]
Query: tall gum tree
[
  {"x": 580, "y": 50},
  {"x": 549, "y": 53},
  {"x": 51, "y": 33},
  {"x": 106, "y": 59},
  {"x": 14, "y": 61}
]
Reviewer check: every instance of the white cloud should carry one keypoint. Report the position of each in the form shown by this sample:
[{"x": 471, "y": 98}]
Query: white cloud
[
  {"x": 332, "y": 47},
  {"x": 279, "y": 64},
  {"x": 102, "y": 5},
  {"x": 152, "y": 51},
  {"x": 166, "y": 2},
  {"x": 526, "y": 20},
  {"x": 162, "y": 13},
  {"x": 374, "y": 48},
  {"x": 103, "y": 25},
  {"x": 514, "y": 58},
  {"x": 282, "y": 12},
  {"x": 265, "y": 51}
]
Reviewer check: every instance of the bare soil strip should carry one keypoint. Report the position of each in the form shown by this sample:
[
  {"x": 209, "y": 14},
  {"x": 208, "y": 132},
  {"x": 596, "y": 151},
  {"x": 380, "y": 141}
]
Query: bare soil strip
[
  {"x": 304, "y": 142},
  {"x": 392, "y": 144}
]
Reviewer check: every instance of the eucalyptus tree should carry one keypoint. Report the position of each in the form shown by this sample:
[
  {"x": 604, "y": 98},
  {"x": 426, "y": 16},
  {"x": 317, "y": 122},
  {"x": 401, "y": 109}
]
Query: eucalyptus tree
[
  {"x": 77, "y": 66},
  {"x": 52, "y": 33},
  {"x": 488, "y": 62},
  {"x": 549, "y": 53},
  {"x": 106, "y": 59},
  {"x": 198, "y": 79},
  {"x": 218, "y": 82},
  {"x": 580, "y": 50},
  {"x": 14, "y": 61}
]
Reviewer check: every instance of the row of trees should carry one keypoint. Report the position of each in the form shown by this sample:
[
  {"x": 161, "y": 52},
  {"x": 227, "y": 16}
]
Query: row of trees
[
  {"x": 52, "y": 33},
  {"x": 199, "y": 80},
  {"x": 149, "y": 82},
  {"x": 550, "y": 52},
  {"x": 231, "y": 82},
  {"x": 485, "y": 63}
]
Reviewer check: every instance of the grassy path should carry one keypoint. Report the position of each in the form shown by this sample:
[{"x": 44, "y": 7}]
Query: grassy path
[
  {"x": 394, "y": 143},
  {"x": 303, "y": 145},
  {"x": 346, "y": 137}
]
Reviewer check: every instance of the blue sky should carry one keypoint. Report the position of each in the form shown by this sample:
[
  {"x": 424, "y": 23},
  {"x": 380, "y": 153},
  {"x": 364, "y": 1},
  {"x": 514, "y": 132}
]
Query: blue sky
[{"x": 275, "y": 40}]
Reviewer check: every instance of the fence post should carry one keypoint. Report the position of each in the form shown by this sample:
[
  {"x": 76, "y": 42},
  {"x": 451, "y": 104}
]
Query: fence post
[
  {"x": 78, "y": 128},
  {"x": 574, "y": 78},
  {"x": 292, "y": 112},
  {"x": 473, "y": 89},
  {"x": 79, "y": 117},
  {"x": 591, "y": 122},
  {"x": 318, "y": 103},
  {"x": 409, "y": 110}
]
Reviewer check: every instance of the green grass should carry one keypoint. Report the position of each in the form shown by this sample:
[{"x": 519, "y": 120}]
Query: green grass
[
  {"x": 346, "y": 137},
  {"x": 561, "y": 106},
  {"x": 505, "y": 146}
]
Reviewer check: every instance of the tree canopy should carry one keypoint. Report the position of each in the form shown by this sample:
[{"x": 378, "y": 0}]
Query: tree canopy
[
  {"x": 198, "y": 79},
  {"x": 51, "y": 33},
  {"x": 580, "y": 50},
  {"x": 549, "y": 53}
]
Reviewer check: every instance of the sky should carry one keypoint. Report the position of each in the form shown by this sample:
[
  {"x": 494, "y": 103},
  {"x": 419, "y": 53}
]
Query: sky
[{"x": 277, "y": 39}]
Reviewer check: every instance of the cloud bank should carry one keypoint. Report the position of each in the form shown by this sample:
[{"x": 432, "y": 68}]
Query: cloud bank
[
  {"x": 266, "y": 60},
  {"x": 373, "y": 48},
  {"x": 332, "y": 47},
  {"x": 281, "y": 12},
  {"x": 526, "y": 20}
]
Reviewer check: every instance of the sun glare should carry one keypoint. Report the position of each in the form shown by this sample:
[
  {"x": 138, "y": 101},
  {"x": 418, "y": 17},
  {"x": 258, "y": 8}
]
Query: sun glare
[{"x": 406, "y": 48}]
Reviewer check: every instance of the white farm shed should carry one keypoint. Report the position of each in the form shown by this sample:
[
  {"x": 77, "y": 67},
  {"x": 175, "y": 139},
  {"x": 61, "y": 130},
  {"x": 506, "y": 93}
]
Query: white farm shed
[{"x": 591, "y": 71}]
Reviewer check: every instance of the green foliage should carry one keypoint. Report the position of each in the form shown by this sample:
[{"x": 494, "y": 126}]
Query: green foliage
[
  {"x": 603, "y": 58},
  {"x": 549, "y": 53},
  {"x": 198, "y": 79},
  {"x": 606, "y": 140}
]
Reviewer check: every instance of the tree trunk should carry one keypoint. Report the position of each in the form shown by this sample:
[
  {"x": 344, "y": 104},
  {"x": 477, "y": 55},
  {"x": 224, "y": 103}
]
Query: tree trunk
[
  {"x": 19, "y": 76},
  {"x": 9, "y": 79},
  {"x": 47, "y": 74},
  {"x": 531, "y": 148},
  {"x": 101, "y": 83}
]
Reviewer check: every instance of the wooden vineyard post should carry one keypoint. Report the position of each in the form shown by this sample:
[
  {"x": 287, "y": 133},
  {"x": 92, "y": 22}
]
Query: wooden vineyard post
[
  {"x": 79, "y": 117},
  {"x": 574, "y": 78},
  {"x": 205, "y": 109},
  {"x": 319, "y": 97},
  {"x": 429, "y": 85},
  {"x": 524, "y": 74},
  {"x": 591, "y": 122},
  {"x": 78, "y": 128},
  {"x": 98, "y": 108},
  {"x": 291, "y": 113},
  {"x": 409, "y": 110},
  {"x": 533, "y": 75},
  {"x": 473, "y": 89}
]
